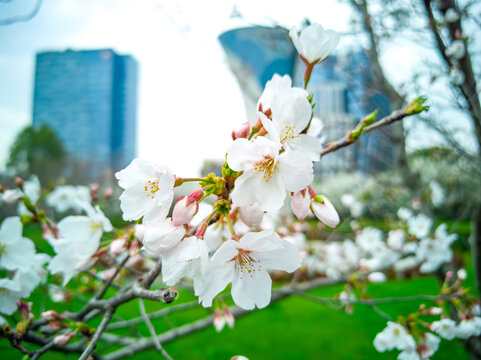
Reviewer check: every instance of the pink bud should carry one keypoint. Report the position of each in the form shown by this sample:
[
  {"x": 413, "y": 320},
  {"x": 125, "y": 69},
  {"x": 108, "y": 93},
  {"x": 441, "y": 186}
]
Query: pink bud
[
  {"x": 324, "y": 210},
  {"x": 449, "y": 275},
  {"x": 185, "y": 209},
  {"x": 24, "y": 307},
  {"x": 56, "y": 325},
  {"x": 218, "y": 321},
  {"x": 63, "y": 339},
  {"x": 241, "y": 131},
  {"x": 239, "y": 357},
  {"x": 251, "y": 215},
  {"x": 300, "y": 203},
  {"x": 229, "y": 317},
  {"x": 51, "y": 315},
  {"x": 108, "y": 193},
  {"x": 117, "y": 246}
]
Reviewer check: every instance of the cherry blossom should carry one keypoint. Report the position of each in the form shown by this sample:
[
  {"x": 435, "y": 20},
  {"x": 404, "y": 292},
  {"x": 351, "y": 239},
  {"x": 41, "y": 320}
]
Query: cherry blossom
[
  {"x": 245, "y": 264},
  {"x": 80, "y": 239},
  {"x": 161, "y": 236},
  {"x": 446, "y": 328},
  {"x": 419, "y": 225},
  {"x": 66, "y": 197},
  {"x": 322, "y": 207},
  {"x": 291, "y": 113},
  {"x": 267, "y": 173},
  {"x": 10, "y": 293},
  {"x": 148, "y": 190},
  {"x": 301, "y": 204},
  {"x": 394, "y": 336},
  {"x": 16, "y": 251},
  {"x": 314, "y": 43},
  {"x": 189, "y": 258}
]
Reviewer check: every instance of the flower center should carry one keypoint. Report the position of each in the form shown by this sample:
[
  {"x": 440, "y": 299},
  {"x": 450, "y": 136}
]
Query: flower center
[
  {"x": 288, "y": 133},
  {"x": 245, "y": 263},
  {"x": 151, "y": 188},
  {"x": 3, "y": 249},
  {"x": 266, "y": 167}
]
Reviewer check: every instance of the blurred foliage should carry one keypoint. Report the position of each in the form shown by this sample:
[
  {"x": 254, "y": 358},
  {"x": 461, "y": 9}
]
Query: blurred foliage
[{"x": 37, "y": 150}]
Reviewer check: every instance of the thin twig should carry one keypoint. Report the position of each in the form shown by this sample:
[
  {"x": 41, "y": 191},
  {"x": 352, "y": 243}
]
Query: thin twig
[
  {"x": 98, "y": 333},
  {"x": 106, "y": 286},
  {"x": 147, "y": 321}
]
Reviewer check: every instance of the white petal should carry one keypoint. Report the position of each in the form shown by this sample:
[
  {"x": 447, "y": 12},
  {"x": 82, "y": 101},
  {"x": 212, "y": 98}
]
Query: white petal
[
  {"x": 253, "y": 290},
  {"x": 296, "y": 170},
  {"x": 241, "y": 154},
  {"x": 217, "y": 278}
]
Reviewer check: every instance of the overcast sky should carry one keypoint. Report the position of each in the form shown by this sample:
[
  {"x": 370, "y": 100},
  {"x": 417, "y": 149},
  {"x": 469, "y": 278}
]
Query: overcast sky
[{"x": 188, "y": 100}]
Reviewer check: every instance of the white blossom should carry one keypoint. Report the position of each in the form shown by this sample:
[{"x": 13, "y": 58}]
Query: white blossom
[
  {"x": 431, "y": 345},
  {"x": 11, "y": 196},
  {"x": 468, "y": 327},
  {"x": 446, "y": 328},
  {"x": 80, "y": 239},
  {"x": 404, "y": 213},
  {"x": 419, "y": 226},
  {"x": 291, "y": 113},
  {"x": 394, "y": 336},
  {"x": 437, "y": 193},
  {"x": 16, "y": 251},
  {"x": 245, "y": 264},
  {"x": 189, "y": 258},
  {"x": 369, "y": 238},
  {"x": 267, "y": 173},
  {"x": 456, "y": 50},
  {"x": 451, "y": 15},
  {"x": 67, "y": 197},
  {"x": 457, "y": 76},
  {"x": 10, "y": 293},
  {"x": 313, "y": 42},
  {"x": 161, "y": 236},
  {"x": 376, "y": 277},
  {"x": 396, "y": 239},
  {"x": 251, "y": 215},
  {"x": 148, "y": 190}
]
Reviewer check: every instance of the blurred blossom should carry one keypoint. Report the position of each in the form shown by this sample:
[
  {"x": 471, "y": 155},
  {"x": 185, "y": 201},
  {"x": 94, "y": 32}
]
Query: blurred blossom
[{"x": 456, "y": 50}]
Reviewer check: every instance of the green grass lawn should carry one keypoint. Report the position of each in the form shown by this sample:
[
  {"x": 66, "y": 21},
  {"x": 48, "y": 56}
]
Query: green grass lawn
[{"x": 294, "y": 328}]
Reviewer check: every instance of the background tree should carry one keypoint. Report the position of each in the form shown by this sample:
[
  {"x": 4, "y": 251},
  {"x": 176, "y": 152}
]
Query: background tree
[
  {"x": 37, "y": 150},
  {"x": 448, "y": 30}
]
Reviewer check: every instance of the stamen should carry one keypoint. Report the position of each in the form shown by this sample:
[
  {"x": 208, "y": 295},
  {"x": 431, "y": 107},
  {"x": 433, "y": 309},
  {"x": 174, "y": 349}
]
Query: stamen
[
  {"x": 265, "y": 166},
  {"x": 288, "y": 133},
  {"x": 245, "y": 262},
  {"x": 151, "y": 188}
]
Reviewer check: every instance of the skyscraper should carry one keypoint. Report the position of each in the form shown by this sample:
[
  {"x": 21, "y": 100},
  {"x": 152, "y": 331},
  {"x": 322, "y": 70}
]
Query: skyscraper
[
  {"x": 341, "y": 87},
  {"x": 89, "y": 98}
]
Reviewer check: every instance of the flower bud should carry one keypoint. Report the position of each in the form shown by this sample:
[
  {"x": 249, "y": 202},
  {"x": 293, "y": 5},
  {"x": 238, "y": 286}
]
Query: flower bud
[
  {"x": 324, "y": 210},
  {"x": 51, "y": 315},
  {"x": 300, "y": 204},
  {"x": 462, "y": 274},
  {"x": 19, "y": 182},
  {"x": 63, "y": 339},
  {"x": 376, "y": 277},
  {"x": 108, "y": 193},
  {"x": 229, "y": 317},
  {"x": 117, "y": 246},
  {"x": 218, "y": 321},
  {"x": 241, "y": 131},
  {"x": 186, "y": 208},
  {"x": 251, "y": 215}
]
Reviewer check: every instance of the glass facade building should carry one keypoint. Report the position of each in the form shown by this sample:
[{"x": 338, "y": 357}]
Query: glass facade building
[
  {"x": 342, "y": 89},
  {"x": 90, "y": 99}
]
